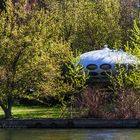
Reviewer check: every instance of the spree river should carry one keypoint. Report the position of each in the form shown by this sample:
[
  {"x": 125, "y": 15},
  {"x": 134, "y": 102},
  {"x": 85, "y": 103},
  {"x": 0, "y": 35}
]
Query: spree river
[{"x": 69, "y": 134}]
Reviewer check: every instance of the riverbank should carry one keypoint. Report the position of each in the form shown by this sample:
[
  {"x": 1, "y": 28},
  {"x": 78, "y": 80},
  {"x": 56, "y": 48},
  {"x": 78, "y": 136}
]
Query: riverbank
[
  {"x": 34, "y": 112},
  {"x": 68, "y": 123}
]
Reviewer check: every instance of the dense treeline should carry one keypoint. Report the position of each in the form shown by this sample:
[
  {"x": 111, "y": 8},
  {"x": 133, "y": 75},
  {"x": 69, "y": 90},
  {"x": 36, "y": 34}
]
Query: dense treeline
[
  {"x": 38, "y": 39},
  {"x": 87, "y": 25}
]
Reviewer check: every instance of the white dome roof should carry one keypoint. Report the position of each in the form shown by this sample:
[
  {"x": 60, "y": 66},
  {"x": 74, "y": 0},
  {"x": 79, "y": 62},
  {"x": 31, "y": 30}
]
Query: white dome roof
[{"x": 107, "y": 56}]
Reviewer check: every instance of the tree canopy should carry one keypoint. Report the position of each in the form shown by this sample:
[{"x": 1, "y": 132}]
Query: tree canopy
[{"x": 38, "y": 38}]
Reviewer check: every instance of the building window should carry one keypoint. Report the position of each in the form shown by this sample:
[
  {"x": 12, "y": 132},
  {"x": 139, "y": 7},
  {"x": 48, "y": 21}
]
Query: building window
[
  {"x": 105, "y": 73},
  {"x": 92, "y": 67},
  {"x": 105, "y": 66},
  {"x": 93, "y": 73}
]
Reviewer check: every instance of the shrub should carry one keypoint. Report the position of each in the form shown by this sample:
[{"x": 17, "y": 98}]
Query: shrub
[
  {"x": 126, "y": 106},
  {"x": 100, "y": 103},
  {"x": 92, "y": 102}
]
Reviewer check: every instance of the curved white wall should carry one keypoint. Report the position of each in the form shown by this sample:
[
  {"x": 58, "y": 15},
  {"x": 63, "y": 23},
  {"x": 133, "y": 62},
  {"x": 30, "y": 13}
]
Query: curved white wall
[{"x": 107, "y": 56}]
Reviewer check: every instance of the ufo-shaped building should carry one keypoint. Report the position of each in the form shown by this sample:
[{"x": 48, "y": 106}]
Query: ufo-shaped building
[{"x": 101, "y": 63}]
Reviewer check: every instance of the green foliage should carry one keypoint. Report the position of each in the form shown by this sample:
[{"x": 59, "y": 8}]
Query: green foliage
[
  {"x": 129, "y": 76},
  {"x": 118, "y": 81},
  {"x": 133, "y": 47},
  {"x": 76, "y": 75},
  {"x": 36, "y": 42},
  {"x": 88, "y": 25},
  {"x": 31, "y": 54},
  {"x": 73, "y": 81}
]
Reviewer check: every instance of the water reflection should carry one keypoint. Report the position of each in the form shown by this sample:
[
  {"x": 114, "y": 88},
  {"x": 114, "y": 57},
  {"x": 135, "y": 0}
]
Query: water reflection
[{"x": 69, "y": 134}]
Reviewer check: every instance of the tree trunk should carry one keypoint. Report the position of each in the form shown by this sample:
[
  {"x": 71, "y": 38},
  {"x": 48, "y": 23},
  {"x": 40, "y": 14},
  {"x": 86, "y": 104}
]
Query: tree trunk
[
  {"x": 7, "y": 108},
  {"x": 8, "y": 113}
]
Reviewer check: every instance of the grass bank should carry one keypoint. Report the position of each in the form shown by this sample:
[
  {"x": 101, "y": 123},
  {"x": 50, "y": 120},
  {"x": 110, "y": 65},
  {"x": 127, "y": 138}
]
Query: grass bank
[{"x": 34, "y": 112}]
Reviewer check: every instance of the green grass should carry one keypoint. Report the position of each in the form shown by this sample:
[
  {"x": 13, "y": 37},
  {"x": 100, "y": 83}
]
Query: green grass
[{"x": 34, "y": 112}]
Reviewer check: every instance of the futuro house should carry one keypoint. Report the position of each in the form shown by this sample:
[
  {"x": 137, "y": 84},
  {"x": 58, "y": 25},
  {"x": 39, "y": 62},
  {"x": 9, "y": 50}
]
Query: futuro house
[{"x": 101, "y": 63}]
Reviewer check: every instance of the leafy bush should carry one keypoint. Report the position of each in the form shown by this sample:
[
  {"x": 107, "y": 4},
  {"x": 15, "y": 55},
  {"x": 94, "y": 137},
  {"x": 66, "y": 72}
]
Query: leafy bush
[
  {"x": 31, "y": 53},
  {"x": 133, "y": 47},
  {"x": 97, "y": 103}
]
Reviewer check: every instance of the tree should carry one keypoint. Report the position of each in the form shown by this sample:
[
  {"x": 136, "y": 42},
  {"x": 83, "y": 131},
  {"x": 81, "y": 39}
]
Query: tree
[
  {"x": 128, "y": 76},
  {"x": 89, "y": 25},
  {"x": 129, "y": 11},
  {"x": 133, "y": 47},
  {"x": 30, "y": 54}
]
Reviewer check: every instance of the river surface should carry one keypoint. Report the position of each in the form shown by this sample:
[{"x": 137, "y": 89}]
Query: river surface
[{"x": 69, "y": 134}]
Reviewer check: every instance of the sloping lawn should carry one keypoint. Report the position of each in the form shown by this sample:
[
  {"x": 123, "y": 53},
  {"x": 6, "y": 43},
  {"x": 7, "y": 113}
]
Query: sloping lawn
[{"x": 34, "y": 112}]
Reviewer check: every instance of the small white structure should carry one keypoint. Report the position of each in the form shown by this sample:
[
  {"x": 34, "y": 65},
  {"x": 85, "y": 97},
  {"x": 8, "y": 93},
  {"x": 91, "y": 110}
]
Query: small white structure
[{"x": 100, "y": 62}]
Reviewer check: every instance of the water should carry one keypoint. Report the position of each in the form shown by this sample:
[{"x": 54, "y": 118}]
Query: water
[{"x": 69, "y": 134}]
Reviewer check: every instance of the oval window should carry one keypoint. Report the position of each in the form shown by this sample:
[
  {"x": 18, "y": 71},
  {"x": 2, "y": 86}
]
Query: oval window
[
  {"x": 92, "y": 67},
  {"x": 93, "y": 73},
  {"x": 105, "y": 66},
  {"x": 106, "y": 73}
]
